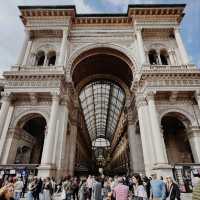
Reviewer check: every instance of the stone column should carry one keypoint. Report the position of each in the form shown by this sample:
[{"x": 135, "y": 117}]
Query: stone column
[
  {"x": 183, "y": 53},
  {"x": 194, "y": 139},
  {"x": 134, "y": 140},
  {"x": 63, "y": 47},
  {"x": 145, "y": 131},
  {"x": 45, "y": 60},
  {"x": 72, "y": 155},
  {"x": 171, "y": 57},
  {"x": 160, "y": 150},
  {"x": 27, "y": 52},
  {"x": 5, "y": 132},
  {"x": 140, "y": 45},
  {"x": 6, "y": 100},
  {"x": 50, "y": 139},
  {"x": 159, "y": 59},
  {"x": 197, "y": 97},
  {"x": 23, "y": 50}
]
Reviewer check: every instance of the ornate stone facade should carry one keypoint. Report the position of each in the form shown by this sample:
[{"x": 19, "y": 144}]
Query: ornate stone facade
[{"x": 146, "y": 42}]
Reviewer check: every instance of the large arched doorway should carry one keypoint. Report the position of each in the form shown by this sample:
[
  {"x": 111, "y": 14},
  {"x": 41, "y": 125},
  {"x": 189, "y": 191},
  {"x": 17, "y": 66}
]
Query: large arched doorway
[
  {"x": 31, "y": 133},
  {"x": 176, "y": 139},
  {"x": 102, "y": 78}
]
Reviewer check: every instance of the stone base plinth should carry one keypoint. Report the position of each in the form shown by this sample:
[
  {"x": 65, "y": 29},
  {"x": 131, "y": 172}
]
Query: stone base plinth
[
  {"x": 47, "y": 170},
  {"x": 163, "y": 170}
]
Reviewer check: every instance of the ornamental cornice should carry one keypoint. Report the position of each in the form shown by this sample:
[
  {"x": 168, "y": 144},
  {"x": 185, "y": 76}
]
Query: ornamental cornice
[
  {"x": 156, "y": 11},
  {"x": 45, "y": 13},
  {"x": 109, "y": 20}
]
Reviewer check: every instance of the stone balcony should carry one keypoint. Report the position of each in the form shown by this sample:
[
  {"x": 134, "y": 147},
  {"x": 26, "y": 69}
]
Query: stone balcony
[
  {"x": 190, "y": 68},
  {"x": 34, "y": 70},
  {"x": 168, "y": 67}
]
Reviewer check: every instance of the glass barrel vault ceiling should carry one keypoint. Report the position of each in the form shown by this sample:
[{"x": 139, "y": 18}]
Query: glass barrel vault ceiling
[{"x": 102, "y": 102}]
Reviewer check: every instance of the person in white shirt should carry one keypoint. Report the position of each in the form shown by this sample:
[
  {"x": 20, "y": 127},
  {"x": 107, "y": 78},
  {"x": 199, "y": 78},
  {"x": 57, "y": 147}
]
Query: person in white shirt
[{"x": 18, "y": 188}]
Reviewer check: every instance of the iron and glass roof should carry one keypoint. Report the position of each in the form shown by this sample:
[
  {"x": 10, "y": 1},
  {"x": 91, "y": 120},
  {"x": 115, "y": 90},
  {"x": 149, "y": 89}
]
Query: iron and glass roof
[{"x": 102, "y": 102}]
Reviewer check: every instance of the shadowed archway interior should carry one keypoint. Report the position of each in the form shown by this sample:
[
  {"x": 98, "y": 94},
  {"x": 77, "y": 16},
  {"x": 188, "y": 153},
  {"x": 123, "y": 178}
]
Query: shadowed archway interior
[
  {"x": 176, "y": 140},
  {"x": 102, "y": 64},
  {"x": 102, "y": 99}
]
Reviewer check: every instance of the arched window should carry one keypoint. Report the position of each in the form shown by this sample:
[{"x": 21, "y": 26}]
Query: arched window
[
  {"x": 164, "y": 57},
  {"x": 40, "y": 57},
  {"x": 51, "y": 58},
  {"x": 153, "y": 57}
]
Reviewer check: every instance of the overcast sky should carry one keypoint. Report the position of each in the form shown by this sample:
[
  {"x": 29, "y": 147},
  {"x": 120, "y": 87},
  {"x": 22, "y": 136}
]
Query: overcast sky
[{"x": 12, "y": 30}]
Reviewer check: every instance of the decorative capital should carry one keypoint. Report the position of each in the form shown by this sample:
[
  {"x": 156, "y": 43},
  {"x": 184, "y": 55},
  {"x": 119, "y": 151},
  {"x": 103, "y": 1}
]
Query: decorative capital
[
  {"x": 55, "y": 96},
  {"x": 140, "y": 100},
  {"x": 6, "y": 96},
  {"x": 150, "y": 95},
  {"x": 197, "y": 95}
]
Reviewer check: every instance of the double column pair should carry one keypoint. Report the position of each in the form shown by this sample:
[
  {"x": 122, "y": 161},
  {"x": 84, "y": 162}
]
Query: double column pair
[
  {"x": 154, "y": 150},
  {"x": 49, "y": 162}
]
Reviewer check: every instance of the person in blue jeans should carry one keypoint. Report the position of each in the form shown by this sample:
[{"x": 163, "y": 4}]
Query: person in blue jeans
[{"x": 158, "y": 188}]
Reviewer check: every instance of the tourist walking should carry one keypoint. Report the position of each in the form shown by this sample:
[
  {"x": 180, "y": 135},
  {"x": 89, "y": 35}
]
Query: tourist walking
[
  {"x": 89, "y": 184},
  {"x": 83, "y": 192},
  {"x": 146, "y": 182},
  {"x": 67, "y": 186},
  {"x": 172, "y": 188},
  {"x": 120, "y": 191},
  {"x": 48, "y": 190},
  {"x": 196, "y": 192},
  {"x": 96, "y": 189},
  {"x": 18, "y": 186},
  {"x": 158, "y": 189},
  {"x": 106, "y": 189},
  {"x": 39, "y": 189},
  {"x": 75, "y": 188},
  {"x": 31, "y": 188},
  {"x": 139, "y": 189}
]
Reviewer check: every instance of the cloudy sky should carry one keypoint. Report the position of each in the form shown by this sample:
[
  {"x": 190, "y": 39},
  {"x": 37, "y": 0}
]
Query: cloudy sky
[{"x": 12, "y": 31}]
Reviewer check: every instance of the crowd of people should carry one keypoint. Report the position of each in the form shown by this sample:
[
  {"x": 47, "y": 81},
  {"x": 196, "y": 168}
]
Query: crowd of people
[{"x": 92, "y": 188}]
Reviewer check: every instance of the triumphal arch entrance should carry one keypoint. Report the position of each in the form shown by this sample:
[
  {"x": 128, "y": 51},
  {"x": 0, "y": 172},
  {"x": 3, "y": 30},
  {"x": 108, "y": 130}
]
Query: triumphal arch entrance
[{"x": 101, "y": 91}]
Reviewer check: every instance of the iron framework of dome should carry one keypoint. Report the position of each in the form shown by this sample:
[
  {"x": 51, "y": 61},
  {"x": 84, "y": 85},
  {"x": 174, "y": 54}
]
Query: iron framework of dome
[{"x": 102, "y": 102}]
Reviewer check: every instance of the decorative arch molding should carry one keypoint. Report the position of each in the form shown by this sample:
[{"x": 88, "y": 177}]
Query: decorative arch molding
[
  {"x": 190, "y": 119},
  {"x": 157, "y": 46},
  {"x": 109, "y": 46},
  {"x": 29, "y": 114},
  {"x": 46, "y": 48}
]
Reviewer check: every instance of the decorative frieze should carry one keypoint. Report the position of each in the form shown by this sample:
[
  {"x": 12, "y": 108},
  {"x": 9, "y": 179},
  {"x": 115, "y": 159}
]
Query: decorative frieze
[{"x": 33, "y": 84}]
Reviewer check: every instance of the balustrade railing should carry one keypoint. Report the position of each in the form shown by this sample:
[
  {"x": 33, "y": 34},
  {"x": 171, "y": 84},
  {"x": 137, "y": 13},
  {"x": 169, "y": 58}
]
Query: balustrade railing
[{"x": 168, "y": 67}]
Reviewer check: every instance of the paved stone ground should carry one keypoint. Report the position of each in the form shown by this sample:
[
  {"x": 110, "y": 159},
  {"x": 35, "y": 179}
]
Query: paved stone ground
[{"x": 187, "y": 196}]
